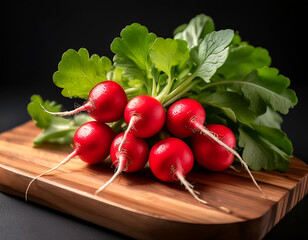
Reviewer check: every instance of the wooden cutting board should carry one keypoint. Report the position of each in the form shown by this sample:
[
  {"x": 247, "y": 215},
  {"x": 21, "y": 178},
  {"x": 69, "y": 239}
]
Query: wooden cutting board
[{"x": 142, "y": 207}]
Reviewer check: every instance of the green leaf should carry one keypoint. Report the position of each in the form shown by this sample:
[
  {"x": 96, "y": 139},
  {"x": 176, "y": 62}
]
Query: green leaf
[
  {"x": 132, "y": 52},
  {"x": 39, "y": 116},
  {"x": 270, "y": 119},
  {"x": 232, "y": 104},
  {"x": 58, "y": 132},
  {"x": 167, "y": 53},
  {"x": 242, "y": 59},
  {"x": 275, "y": 136},
  {"x": 211, "y": 53},
  {"x": 78, "y": 73},
  {"x": 265, "y": 87},
  {"x": 236, "y": 40},
  {"x": 56, "y": 129},
  {"x": 261, "y": 151},
  {"x": 62, "y": 130},
  {"x": 179, "y": 29},
  {"x": 195, "y": 30}
]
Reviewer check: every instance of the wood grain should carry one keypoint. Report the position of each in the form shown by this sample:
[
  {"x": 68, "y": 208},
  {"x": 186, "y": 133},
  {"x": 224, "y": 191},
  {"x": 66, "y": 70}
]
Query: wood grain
[{"x": 142, "y": 207}]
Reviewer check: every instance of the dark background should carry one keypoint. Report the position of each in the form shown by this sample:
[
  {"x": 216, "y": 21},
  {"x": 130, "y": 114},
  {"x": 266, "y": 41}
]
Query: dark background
[{"x": 36, "y": 34}]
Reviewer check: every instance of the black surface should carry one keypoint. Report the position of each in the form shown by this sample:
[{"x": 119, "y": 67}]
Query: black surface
[{"x": 37, "y": 33}]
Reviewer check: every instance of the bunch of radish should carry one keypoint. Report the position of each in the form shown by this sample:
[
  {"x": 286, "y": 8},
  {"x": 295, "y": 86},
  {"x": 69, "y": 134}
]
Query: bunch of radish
[{"x": 170, "y": 159}]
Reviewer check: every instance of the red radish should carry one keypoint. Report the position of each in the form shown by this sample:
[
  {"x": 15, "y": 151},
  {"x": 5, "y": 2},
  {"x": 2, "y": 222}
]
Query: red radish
[
  {"x": 106, "y": 103},
  {"x": 182, "y": 117},
  {"x": 170, "y": 160},
  {"x": 145, "y": 116},
  {"x": 91, "y": 141},
  {"x": 186, "y": 117},
  {"x": 210, "y": 154},
  {"x": 130, "y": 157}
]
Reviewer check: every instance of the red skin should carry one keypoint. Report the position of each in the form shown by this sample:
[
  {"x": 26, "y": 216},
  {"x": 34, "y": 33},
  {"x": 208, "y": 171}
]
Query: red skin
[
  {"x": 170, "y": 155},
  {"x": 210, "y": 154},
  {"x": 182, "y": 115},
  {"x": 134, "y": 150},
  {"x": 150, "y": 115},
  {"x": 107, "y": 101},
  {"x": 92, "y": 142}
]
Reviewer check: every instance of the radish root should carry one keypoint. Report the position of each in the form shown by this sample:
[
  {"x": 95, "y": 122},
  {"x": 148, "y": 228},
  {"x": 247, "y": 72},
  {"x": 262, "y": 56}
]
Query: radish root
[
  {"x": 194, "y": 193},
  {"x": 119, "y": 169},
  {"x": 234, "y": 169},
  {"x": 129, "y": 127},
  {"x": 69, "y": 157},
  {"x": 84, "y": 107}
]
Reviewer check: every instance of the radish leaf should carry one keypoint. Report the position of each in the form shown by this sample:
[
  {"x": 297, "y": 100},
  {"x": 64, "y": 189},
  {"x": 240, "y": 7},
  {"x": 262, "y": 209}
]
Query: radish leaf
[
  {"x": 56, "y": 129},
  {"x": 211, "y": 53},
  {"x": 260, "y": 151},
  {"x": 242, "y": 59},
  {"x": 265, "y": 87},
  {"x": 132, "y": 53},
  {"x": 167, "y": 53},
  {"x": 62, "y": 130},
  {"x": 39, "y": 116},
  {"x": 195, "y": 30},
  {"x": 232, "y": 103},
  {"x": 77, "y": 73},
  {"x": 275, "y": 136},
  {"x": 270, "y": 119}
]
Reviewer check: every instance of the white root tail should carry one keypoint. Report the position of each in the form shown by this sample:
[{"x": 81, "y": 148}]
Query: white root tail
[
  {"x": 82, "y": 108},
  {"x": 120, "y": 168},
  {"x": 69, "y": 157},
  {"x": 122, "y": 160},
  {"x": 235, "y": 153},
  {"x": 129, "y": 127},
  {"x": 234, "y": 169},
  {"x": 194, "y": 193}
]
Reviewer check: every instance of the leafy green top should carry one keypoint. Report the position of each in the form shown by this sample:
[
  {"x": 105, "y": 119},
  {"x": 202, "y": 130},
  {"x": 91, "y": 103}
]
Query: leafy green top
[
  {"x": 56, "y": 129},
  {"x": 78, "y": 73},
  {"x": 231, "y": 78}
]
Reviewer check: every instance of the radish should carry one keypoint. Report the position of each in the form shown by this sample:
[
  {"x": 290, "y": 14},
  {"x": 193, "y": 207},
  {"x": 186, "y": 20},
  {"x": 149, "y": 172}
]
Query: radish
[
  {"x": 210, "y": 154},
  {"x": 170, "y": 160},
  {"x": 145, "y": 116},
  {"x": 91, "y": 142},
  {"x": 130, "y": 157},
  {"x": 186, "y": 117},
  {"x": 106, "y": 103}
]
